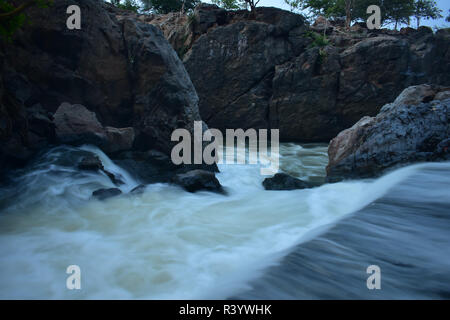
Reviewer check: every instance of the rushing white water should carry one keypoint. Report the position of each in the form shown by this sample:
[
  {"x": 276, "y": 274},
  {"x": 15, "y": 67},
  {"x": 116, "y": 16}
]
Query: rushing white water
[{"x": 164, "y": 243}]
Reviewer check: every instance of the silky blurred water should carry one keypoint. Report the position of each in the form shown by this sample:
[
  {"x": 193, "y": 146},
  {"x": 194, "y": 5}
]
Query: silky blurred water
[{"x": 170, "y": 244}]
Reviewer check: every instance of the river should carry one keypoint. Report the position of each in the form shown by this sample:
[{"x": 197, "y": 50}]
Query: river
[{"x": 251, "y": 243}]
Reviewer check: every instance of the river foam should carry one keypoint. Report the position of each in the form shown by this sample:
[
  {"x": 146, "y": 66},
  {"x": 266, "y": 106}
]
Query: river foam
[{"x": 165, "y": 243}]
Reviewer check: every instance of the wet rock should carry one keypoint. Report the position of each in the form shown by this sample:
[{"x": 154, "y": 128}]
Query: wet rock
[
  {"x": 102, "y": 194},
  {"x": 197, "y": 180},
  {"x": 147, "y": 166},
  {"x": 283, "y": 181},
  {"x": 119, "y": 139},
  {"x": 75, "y": 124},
  {"x": 415, "y": 127},
  {"x": 266, "y": 72},
  {"x": 92, "y": 163},
  {"x": 139, "y": 189}
]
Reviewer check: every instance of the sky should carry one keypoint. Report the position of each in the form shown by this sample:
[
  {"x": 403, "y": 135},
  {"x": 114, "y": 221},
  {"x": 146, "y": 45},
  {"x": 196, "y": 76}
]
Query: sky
[{"x": 444, "y": 5}]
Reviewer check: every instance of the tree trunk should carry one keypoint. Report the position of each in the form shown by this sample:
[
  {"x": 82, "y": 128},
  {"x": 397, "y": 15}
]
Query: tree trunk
[
  {"x": 348, "y": 13},
  {"x": 418, "y": 22},
  {"x": 18, "y": 10}
]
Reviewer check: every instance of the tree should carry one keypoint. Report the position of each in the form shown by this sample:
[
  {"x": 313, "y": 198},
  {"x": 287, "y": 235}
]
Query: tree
[
  {"x": 396, "y": 11},
  {"x": 448, "y": 17},
  {"x": 426, "y": 9},
  {"x": 237, "y": 4},
  {"x": 166, "y": 6},
  {"x": 12, "y": 15},
  {"x": 227, "y": 4},
  {"x": 399, "y": 11},
  {"x": 131, "y": 5}
]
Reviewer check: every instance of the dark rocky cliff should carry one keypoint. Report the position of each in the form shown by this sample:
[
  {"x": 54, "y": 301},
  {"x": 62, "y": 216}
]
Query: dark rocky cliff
[
  {"x": 123, "y": 70},
  {"x": 264, "y": 71},
  {"x": 413, "y": 128}
]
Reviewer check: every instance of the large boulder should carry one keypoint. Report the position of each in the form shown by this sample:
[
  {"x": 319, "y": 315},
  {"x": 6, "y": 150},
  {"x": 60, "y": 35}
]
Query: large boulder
[
  {"x": 283, "y": 181},
  {"x": 232, "y": 64},
  {"x": 415, "y": 127},
  {"x": 76, "y": 125},
  {"x": 119, "y": 67},
  {"x": 197, "y": 180}
]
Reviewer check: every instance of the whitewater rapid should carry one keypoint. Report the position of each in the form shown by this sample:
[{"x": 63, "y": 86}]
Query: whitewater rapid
[{"x": 165, "y": 243}]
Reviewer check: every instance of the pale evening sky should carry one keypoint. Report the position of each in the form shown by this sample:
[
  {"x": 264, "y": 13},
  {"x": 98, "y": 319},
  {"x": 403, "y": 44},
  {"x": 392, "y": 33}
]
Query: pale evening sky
[{"x": 444, "y": 5}]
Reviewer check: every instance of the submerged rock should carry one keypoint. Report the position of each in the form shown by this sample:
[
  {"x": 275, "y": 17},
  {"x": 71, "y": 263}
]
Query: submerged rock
[
  {"x": 102, "y": 194},
  {"x": 93, "y": 163},
  {"x": 283, "y": 181},
  {"x": 197, "y": 180},
  {"x": 415, "y": 127},
  {"x": 139, "y": 189}
]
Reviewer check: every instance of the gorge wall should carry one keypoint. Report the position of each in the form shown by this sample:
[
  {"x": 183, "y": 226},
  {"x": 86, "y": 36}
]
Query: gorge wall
[
  {"x": 266, "y": 71},
  {"x": 121, "y": 69}
]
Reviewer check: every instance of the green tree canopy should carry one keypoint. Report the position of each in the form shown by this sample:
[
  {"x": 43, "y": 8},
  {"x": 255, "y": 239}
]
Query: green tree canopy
[
  {"x": 166, "y": 6},
  {"x": 132, "y": 5},
  {"x": 392, "y": 11},
  {"x": 228, "y": 4},
  {"x": 426, "y": 9},
  {"x": 12, "y": 15}
]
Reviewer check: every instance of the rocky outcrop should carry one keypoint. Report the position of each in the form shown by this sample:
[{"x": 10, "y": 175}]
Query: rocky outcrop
[
  {"x": 93, "y": 163},
  {"x": 415, "y": 127},
  {"x": 272, "y": 70},
  {"x": 76, "y": 125},
  {"x": 283, "y": 181},
  {"x": 197, "y": 180},
  {"x": 120, "y": 68}
]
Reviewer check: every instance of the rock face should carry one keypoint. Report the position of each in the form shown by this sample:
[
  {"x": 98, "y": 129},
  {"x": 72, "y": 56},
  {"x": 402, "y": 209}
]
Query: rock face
[
  {"x": 268, "y": 71},
  {"x": 197, "y": 180},
  {"x": 93, "y": 163},
  {"x": 74, "y": 124},
  {"x": 283, "y": 181},
  {"x": 118, "y": 67},
  {"x": 415, "y": 127}
]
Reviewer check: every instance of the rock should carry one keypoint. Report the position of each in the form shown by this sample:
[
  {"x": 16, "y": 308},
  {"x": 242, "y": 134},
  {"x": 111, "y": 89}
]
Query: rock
[
  {"x": 197, "y": 180},
  {"x": 120, "y": 68},
  {"x": 266, "y": 72},
  {"x": 236, "y": 61},
  {"x": 283, "y": 181},
  {"x": 102, "y": 194},
  {"x": 138, "y": 190},
  {"x": 148, "y": 167},
  {"x": 119, "y": 139},
  {"x": 114, "y": 179},
  {"x": 321, "y": 25},
  {"x": 415, "y": 127},
  {"x": 91, "y": 163},
  {"x": 77, "y": 125}
]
